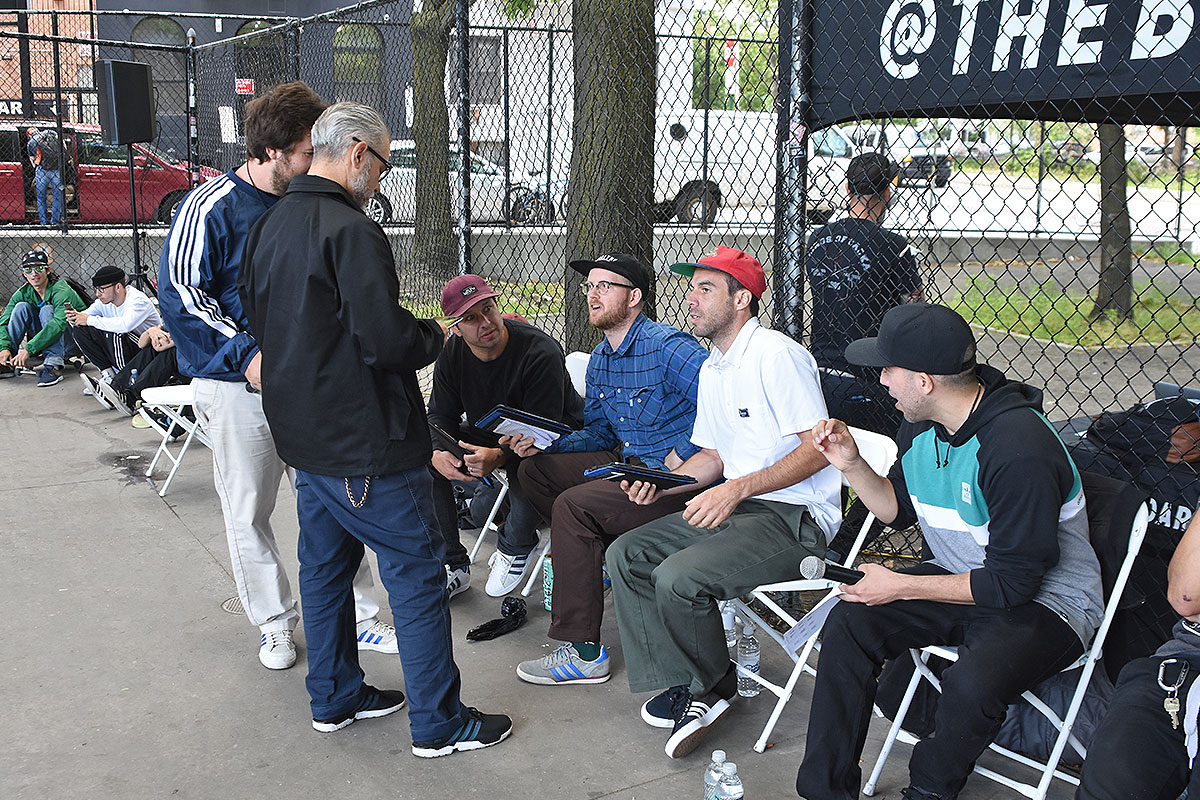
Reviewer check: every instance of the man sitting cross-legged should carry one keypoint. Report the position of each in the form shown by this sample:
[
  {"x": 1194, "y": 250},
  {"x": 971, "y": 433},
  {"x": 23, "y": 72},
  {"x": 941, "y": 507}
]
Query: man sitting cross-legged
[{"x": 759, "y": 396}]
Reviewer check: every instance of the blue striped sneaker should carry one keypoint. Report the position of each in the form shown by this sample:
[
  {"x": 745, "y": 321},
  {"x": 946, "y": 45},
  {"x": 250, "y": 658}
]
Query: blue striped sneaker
[
  {"x": 565, "y": 665},
  {"x": 479, "y": 731},
  {"x": 378, "y": 636}
]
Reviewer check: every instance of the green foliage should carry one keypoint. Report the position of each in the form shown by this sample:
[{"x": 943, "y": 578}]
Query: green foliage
[
  {"x": 522, "y": 9},
  {"x": 754, "y": 26},
  {"x": 527, "y": 299},
  {"x": 1044, "y": 311}
]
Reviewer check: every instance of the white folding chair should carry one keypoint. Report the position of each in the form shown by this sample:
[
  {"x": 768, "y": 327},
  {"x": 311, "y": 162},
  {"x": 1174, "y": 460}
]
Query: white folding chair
[
  {"x": 577, "y": 363},
  {"x": 171, "y": 401},
  {"x": 1116, "y": 562},
  {"x": 880, "y": 452},
  {"x": 490, "y": 526}
]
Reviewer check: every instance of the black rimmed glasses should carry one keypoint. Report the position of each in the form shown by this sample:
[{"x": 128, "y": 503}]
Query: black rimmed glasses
[
  {"x": 602, "y": 287},
  {"x": 387, "y": 165}
]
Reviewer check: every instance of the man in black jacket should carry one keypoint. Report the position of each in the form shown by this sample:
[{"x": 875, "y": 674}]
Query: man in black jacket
[{"x": 340, "y": 392}]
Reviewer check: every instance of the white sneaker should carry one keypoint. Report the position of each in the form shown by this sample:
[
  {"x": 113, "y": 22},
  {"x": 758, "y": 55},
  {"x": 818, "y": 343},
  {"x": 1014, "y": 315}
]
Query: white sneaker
[
  {"x": 507, "y": 572},
  {"x": 89, "y": 387},
  {"x": 278, "y": 651},
  {"x": 457, "y": 580},
  {"x": 377, "y": 636}
]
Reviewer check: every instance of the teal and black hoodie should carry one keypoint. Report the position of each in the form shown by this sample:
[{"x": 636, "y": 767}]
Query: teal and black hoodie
[{"x": 1002, "y": 500}]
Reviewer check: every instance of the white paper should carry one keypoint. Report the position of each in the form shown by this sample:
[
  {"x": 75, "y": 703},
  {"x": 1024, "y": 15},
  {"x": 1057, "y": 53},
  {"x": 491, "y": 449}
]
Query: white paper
[
  {"x": 541, "y": 438},
  {"x": 228, "y": 125},
  {"x": 810, "y": 623}
]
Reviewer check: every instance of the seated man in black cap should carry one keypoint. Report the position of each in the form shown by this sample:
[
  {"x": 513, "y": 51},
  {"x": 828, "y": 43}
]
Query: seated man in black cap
[
  {"x": 1014, "y": 581},
  {"x": 858, "y": 270},
  {"x": 640, "y": 406},
  {"x": 108, "y": 330}
]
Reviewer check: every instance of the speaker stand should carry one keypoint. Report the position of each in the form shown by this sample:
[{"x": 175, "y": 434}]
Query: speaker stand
[{"x": 138, "y": 276}]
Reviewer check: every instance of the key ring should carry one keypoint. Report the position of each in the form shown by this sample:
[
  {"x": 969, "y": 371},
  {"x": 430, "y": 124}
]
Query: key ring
[{"x": 1183, "y": 671}]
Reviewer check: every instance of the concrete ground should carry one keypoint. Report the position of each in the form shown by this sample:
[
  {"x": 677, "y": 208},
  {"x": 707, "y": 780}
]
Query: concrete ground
[{"x": 124, "y": 678}]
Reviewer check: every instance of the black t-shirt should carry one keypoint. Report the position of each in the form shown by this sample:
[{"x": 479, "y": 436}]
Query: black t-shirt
[
  {"x": 530, "y": 374},
  {"x": 857, "y": 271}
]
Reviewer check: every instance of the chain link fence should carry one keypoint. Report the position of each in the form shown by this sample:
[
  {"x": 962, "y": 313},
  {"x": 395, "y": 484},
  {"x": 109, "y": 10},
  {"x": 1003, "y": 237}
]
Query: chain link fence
[{"x": 659, "y": 129}]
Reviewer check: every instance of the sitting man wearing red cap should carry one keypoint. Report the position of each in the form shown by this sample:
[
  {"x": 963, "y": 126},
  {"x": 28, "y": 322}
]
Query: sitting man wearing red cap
[
  {"x": 779, "y": 502},
  {"x": 490, "y": 361}
]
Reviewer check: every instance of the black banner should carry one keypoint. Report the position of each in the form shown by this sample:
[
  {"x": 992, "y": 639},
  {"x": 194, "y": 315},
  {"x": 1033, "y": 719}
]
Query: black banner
[{"x": 1124, "y": 61}]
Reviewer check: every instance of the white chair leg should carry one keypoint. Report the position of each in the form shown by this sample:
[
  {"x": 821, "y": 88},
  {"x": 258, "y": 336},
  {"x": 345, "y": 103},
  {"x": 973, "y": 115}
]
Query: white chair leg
[
  {"x": 537, "y": 570},
  {"x": 786, "y": 694},
  {"x": 187, "y": 442},
  {"x": 488, "y": 526},
  {"x": 894, "y": 731}
]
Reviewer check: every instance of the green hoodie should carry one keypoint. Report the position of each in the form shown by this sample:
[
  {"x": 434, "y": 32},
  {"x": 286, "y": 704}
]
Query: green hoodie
[{"x": 58, "y": 294}]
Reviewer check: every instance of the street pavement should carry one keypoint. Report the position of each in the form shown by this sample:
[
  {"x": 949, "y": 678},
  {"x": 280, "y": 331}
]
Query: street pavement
[{"x": 124, "y": 678}]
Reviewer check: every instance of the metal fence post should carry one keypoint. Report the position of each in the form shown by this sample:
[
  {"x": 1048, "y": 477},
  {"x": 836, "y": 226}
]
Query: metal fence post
[
  {"x": 508, "y": 182},
  {"x": 704, "y": 142},
  {"x": 58, "y": 113},
  {"x": 193, "y": 110},
  {"x": 791, "y": 167},
  {"x": 549, "y": 115},
  {"x": 463, "y": 37}
]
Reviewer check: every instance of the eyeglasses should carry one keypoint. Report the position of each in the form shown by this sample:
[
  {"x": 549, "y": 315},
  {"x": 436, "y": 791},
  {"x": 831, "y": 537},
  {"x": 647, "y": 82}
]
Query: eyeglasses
[
  {"x": 387, "y": 165},
  {"x": 602, "y": 287},
  {"x": 39, "y": 269},
  {"x": 104, "y": 288}
]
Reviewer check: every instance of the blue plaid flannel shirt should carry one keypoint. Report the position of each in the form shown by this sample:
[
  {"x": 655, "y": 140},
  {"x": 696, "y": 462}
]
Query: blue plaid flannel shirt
[{"x": 641, "y": 399}]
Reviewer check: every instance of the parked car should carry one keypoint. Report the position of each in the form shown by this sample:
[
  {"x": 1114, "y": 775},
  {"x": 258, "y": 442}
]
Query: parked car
[
  {"x": 96, "y": 176},
  {"x": 919, "y": 156},
  {"x": 396, "y": 200}
]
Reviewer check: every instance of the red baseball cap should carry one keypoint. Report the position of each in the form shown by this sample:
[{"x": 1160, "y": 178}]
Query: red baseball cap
[
  {"x": 463, "y": 292},
  {"x": 742, "y": 266}
]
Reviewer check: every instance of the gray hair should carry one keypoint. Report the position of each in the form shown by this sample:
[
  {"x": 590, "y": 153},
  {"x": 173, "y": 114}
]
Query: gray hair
[{"x": 335, "y": 130}]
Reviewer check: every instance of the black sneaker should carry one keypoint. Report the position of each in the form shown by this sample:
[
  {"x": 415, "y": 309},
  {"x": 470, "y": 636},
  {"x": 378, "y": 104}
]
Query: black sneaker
[
  {"x": 660, "y": 711},
  {"x": 479, "y": 731},
  {"x": 695, "y": 717},
  {"x": 374, "y": 703}
]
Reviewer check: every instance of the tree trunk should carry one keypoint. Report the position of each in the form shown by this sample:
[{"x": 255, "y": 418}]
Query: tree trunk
[
  {"x": 434, "y": 245},
  {"x": 1115, "y": 291},
  {"x": 609, "y": 206}
]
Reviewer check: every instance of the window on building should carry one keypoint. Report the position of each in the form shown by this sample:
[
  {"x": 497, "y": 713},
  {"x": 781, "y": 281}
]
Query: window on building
[
  {"x": 358, "y": 64},
  {"x": 169, "y": 70},
  {"x": 485, "y": 70}
]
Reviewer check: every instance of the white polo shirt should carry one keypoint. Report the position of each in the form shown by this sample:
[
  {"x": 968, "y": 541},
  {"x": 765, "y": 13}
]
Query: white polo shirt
[{"x": 753, "y": 402}]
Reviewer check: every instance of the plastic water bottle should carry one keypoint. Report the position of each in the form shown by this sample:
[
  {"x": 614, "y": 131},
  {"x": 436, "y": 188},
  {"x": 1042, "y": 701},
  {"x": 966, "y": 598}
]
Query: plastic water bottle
[
  {"x": 730, "y": 786},
  {"x": 747, "y": 659},
  {"x": 712, "y": 774},
  {"x": 729, "y": 620},
  {"x": 133, "y": 378}
]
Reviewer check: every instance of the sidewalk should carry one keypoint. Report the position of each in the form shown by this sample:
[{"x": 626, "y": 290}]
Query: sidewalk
[{"x": 124, "y": 678}]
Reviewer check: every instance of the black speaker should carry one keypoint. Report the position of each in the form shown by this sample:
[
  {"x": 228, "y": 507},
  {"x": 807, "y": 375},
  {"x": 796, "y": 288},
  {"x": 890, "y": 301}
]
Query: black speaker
[{"x": 125, "y": 91}]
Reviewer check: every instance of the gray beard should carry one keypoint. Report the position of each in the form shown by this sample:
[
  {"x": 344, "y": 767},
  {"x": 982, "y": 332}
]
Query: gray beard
[{"x": 359, "y": 187}]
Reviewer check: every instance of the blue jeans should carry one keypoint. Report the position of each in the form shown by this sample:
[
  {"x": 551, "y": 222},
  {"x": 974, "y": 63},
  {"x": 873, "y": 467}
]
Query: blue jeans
[
  {"x": 41, "y": 179},
  {"x": 28, "y": 321},
  {"x": 396, "y": 520}
]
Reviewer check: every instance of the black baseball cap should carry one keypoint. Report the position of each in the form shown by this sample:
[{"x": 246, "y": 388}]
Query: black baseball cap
[
  {"x": 623, "y": 264},
  {"x": 35, "y": 258},
  {"x": 921, "y": 337},
  {"x": 108, "y": 275},
  {"x": 870, "y": 173}
]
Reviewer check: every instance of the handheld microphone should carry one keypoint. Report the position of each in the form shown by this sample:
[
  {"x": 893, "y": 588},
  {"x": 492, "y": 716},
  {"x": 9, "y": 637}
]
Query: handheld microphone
[{"x": 815, "y": 567}]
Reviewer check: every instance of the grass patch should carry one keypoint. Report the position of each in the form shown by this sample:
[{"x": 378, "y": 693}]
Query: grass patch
[
  {"x": 1044, "y": 311},
  {"x": 1167, "y": 252},
  {"x": 527, "y": 299}
]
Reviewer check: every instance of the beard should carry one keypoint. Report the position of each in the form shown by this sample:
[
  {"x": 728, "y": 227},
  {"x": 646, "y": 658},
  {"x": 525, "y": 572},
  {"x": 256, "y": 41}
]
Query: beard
[
  {"x": 360, "y": 187},
  {"x": 281, "y": 177},
  {"x": 612, "y": 317}
]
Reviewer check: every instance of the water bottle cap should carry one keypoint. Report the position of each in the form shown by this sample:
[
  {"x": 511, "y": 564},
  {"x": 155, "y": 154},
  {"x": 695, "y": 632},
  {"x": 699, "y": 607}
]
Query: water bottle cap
[
  {"x": 718, "y": 755},
  {"x": 729, "y": 768},
  {"x": 747, "y": 629}
]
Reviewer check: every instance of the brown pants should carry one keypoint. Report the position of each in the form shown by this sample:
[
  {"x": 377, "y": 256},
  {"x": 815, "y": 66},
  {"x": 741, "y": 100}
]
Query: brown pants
[{"x": 586, "y": 516}]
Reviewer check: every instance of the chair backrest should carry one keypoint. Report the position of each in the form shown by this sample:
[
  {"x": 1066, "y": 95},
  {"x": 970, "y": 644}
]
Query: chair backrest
[
  {"x": 878, "y": 450},
  {"x": 577, "y": 364},
  {"x": 1165, "y": 391},
  {"x": 1113, "y": 508}
]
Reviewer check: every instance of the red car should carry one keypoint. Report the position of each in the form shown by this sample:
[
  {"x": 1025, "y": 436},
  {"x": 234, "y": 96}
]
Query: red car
[{"x": 96, "y": 177}]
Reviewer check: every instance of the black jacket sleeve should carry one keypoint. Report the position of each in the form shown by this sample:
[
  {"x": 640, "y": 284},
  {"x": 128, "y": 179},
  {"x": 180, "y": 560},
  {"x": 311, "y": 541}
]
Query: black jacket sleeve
[
  {"x": 387, "y": 336},
  {"x": 1026, "y": 479}
]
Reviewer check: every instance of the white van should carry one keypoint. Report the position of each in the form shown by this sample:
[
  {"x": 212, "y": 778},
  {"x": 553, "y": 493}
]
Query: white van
[{"x": 740, "y": 165}]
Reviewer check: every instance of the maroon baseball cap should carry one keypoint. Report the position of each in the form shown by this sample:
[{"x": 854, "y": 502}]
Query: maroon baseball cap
[
  {"x": 742, "y": 266},
  {"x": 463, "y": 292}
]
